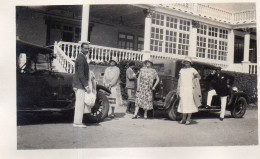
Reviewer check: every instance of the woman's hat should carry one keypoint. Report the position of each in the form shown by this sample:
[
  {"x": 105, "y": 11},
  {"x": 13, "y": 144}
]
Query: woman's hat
[
  {"x": 115, "y": 59},
  {"x": 147, "y": 58},
  {"x": 188, "y": 59}
]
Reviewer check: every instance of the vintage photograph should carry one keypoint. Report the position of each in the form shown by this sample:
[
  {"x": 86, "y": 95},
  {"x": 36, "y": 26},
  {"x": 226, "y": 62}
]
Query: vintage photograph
[{"x": 136, "y": 75}]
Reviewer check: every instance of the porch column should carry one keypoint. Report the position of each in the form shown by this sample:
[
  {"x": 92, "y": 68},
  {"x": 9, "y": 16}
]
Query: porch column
[
  {"x": 246, "y": 45},
  {"x": 85, "y": 22},
  {"x": 147, "y": 29},
  {"x": 193, "y": 39},
  {"x": 231, "y": 45}
]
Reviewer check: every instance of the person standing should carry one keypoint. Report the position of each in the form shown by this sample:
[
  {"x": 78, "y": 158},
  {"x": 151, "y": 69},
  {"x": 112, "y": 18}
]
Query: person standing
[
  {"x": 112, "y": 81},
  {"x": 221, "y": 86},
  {"x": 130, "y": 84},
  {"x": 145, "y": 87},
  {"x": 188, "y": 90},
  {"x": 80, "y": 84}
]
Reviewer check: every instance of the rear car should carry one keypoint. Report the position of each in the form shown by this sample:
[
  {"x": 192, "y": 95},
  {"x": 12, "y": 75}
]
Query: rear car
[{"x": 42, "y": 90}]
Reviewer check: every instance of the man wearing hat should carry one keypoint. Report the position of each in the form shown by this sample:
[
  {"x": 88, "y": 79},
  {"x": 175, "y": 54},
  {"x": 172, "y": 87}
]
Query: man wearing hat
[
  {"x": 220, "y": 86},
  {"x": 80, "y": 84},
  {"x": 112, "y": 81}
]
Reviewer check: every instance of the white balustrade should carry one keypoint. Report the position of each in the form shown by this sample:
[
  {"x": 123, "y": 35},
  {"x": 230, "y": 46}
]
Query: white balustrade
[
  {"x": 245, "y": 16},
  {"x": 213, "y": 13},
  {"x": 67, "y": 52}
]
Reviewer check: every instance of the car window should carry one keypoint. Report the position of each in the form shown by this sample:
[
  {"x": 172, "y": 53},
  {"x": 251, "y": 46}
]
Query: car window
[{"x": 39, "y": 62}]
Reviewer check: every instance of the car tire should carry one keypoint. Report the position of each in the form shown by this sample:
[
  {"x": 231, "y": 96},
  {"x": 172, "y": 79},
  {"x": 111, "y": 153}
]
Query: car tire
[
  {"x": 100, "y": 110},
  {"x": 172, "y": 111},
  {"x": 239, "y": 109}
]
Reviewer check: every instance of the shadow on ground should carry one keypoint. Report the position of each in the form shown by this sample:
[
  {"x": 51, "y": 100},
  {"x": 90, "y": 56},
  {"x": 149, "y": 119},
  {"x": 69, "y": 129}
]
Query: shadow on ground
[{"x": 54, "y": 118}]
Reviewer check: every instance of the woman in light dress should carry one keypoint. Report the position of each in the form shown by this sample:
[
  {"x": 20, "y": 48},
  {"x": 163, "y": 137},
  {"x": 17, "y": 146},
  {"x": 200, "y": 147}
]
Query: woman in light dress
[
  {"x": 188, "y": 91},
  {"x": 112, "y": 81},
  {"x": 145, "y": 87}
]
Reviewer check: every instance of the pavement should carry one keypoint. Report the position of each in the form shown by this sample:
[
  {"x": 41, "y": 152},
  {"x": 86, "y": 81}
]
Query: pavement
[{"x": 55, "y": 132}]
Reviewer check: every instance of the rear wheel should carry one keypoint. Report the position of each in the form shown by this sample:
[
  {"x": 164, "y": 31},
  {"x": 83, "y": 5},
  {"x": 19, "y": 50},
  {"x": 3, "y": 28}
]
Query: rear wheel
[
  {"x": 172, "y": 111},
  {"x": 100, "y": 110},
  {"x": 239, "y": 108}
]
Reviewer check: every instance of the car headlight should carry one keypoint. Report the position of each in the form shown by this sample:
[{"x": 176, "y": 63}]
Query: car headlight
[{"x": 235, "y": 89}]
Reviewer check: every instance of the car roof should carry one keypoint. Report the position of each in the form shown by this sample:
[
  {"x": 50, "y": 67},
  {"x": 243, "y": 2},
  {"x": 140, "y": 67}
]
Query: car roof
[
  {"x": 196, "y": 63},
  {"x": 29, "y": 48}
]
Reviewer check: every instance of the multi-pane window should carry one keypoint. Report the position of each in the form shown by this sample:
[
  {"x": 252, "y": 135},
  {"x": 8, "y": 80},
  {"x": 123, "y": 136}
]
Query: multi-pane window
[
  {"x": 202, "y": 29},
  {"x": 212, "y": 42},
  {"x": 171, "y": 22},
  {"x": 126, "y": 41},
  {"x": 223, "y": 33},
  {"x": 140, "y": 43},
  {"x": 170, "y": 42},
  {"x": 201, "y": 47},
  {"x": 213, "y": 31},
  {"x": 184, "y": 25},
  {"x": 158, "y": 19},
  {"x": 222, "y": 54},
  {"x": 170, "y": 34},
  {"x": 212, "y": 48},
  {"x": 156, "y": 39},
  {"x": 183, "y": 46}
]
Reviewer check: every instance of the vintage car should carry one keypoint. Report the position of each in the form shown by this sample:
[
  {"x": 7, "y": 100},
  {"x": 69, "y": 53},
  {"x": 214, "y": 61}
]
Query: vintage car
[
  {"x": 41, "y": 90},
  {"x": 165, "y": 95}
]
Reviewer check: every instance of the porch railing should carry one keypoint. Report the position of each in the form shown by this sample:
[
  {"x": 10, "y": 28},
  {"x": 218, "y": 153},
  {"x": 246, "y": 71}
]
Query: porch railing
[
  {"x": 250, "y": 68},
  {"x": 203, "y": 10},
  {"x": 66, "y": 53}
]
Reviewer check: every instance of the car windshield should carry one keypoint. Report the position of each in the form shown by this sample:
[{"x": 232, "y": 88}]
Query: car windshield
[
  {"x": 41, "y": 62},
  {"x": 34, "y": 62}
]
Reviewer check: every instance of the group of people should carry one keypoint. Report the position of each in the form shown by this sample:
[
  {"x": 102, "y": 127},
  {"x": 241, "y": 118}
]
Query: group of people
[{"x": 140, "y": 87}]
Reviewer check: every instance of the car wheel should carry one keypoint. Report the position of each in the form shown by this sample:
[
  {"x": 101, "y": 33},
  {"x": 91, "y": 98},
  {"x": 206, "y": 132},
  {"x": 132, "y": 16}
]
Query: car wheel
[
  {"x": 100, "y": 110},
  {"x": 172, "y": 111},
  {"x": 239, "y": 108}
]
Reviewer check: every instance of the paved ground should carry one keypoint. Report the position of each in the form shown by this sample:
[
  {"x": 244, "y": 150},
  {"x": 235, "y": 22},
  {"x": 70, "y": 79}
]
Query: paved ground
[{"x": 205, "y": 130}]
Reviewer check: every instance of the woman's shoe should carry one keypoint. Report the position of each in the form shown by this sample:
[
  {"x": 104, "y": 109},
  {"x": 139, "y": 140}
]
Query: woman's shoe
[
  {"x": 188, "y": 122},
  {"x": 134, "y": 117},
  {"x": 182, "y": 122},
  {"x": 145, "y": 117},
  {"x": 221, "y": 119}
]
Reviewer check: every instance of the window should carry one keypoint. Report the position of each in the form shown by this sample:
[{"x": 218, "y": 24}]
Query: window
[
  {"x": 170, "y": 34},
  {"x": 223, "y": 33},
  {"x": 222, "y": 51},
  {"x": 216, "y": 40},
  {"x": 126, "y": 41},
  {"x": 212, "y": 49},
  {"x": 201, "y": 47},
  {"x": 140, "y": 43},
  {"x": 184, "y": 25},
  {"x": 156, "y": 39},
  {"x": 213, "y": 31},
  {"x": 183, "y": 46},
  {"x": 202, "y": 29},
  {"x": 171, "y": 22},
  {"x": 158, "y": 19},
  {"x": 171, "y": 42}
]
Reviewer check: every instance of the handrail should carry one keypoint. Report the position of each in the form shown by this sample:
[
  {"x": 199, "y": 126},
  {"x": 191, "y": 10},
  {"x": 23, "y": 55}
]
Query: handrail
[
  {"x": 67, "y": 52},
  {"x": 200, "y": 9}
]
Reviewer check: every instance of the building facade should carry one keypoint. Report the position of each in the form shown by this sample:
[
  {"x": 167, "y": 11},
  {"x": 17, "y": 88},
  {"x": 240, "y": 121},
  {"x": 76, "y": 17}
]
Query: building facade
[{"x": 223, "y": 38}]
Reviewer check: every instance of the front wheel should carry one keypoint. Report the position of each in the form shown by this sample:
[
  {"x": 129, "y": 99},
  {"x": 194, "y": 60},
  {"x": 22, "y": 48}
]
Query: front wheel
[
  {"x": 100, "y": 110},
  {"x": 239, "y": 109},
  {"x": 172, "y": 111}
]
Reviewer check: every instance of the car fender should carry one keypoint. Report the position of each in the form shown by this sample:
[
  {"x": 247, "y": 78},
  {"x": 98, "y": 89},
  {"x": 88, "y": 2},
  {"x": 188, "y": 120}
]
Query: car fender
[
  {"x": 100, "y": 87},
  {"x": 236, "y": 96},
  {"x": 169, "y": 99}
]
